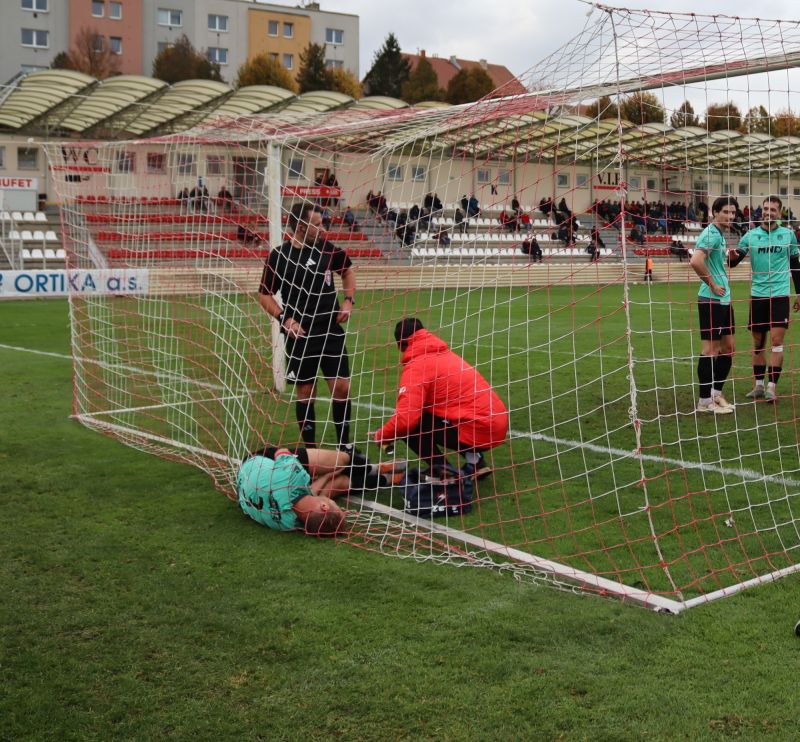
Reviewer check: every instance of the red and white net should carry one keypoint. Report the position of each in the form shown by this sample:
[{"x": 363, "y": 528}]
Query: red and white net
[{"x": 609, "y": 480}]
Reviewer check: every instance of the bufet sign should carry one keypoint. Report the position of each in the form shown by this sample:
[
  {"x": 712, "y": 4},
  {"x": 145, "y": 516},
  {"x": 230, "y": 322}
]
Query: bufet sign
[
  {"x": 100, "y": 282},
  {"x": 19, "y": 184}
]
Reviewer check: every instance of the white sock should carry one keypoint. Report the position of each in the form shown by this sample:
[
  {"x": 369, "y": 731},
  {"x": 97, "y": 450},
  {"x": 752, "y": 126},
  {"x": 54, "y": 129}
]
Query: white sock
[
  {"x": 705, "y": 401},
  {"x": 760, "y": 383}
]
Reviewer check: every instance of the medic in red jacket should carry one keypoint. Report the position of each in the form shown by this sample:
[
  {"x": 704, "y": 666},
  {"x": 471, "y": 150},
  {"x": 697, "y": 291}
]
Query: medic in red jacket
[{"x": 443, "y": 401}]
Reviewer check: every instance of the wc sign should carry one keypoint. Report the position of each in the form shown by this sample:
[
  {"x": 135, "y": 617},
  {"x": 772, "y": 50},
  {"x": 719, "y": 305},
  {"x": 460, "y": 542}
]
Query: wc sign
[{"x": 100, "y": 282}]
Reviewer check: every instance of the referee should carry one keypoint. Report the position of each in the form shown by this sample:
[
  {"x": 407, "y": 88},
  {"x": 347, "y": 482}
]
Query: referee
[
  {"x": 774, "y": 254},
  {"x": 311, "y": 318}
]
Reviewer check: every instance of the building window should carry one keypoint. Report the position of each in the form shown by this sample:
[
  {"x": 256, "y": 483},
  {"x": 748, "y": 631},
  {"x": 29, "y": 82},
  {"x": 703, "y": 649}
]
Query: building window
[
  {"x": 2, "y": 158},
  {"x": 651, "y": 184},
  {"x": 156, "y": 162},
  {"x": 288, "y": 30},
  {"x": 742, "y": 189},
  {"x": 417, "y": 173},
  {"x": 39, "y": 6},
  {"x": 334, "y": 36},
  {"x": 27, "y": 158},
  {"x": 217, "y": 22},
  {"x": 635, "y": 184},
  {"x": 273, "y": 28},
  {"x": 581, "y": 180},
  {"x": 186, "y": 164},
  {"x": 726, "y": 188},
  {"x": 163, "y": 46},
  {"x": 115, "y": 42},
  {"x": 217, "y": 54},
  {"x": 98, "y": 8},
  {"x": 169, "y": 17},
  {"x": 795, "y": 190},
  {"x": 125, "y": 162},
  {"x": 288, "y": 61},
  {"x": 562, "y": 180},
  {"x": 274, "y": 56},
  {"x": 35, "y": 38},
  {"x": 115, "y": 11},
  {"x": 483, "y": 175},
  {"x": 334, "y": 64},
  {"x": 504, "y": 177},
  {"x": 97, "y": 43},
  {"x": 394, "y": 172},
  {"x": 215, "y": 165},
  {"x": 295, "y": 168},
  {"x": 784, "y": 190}
]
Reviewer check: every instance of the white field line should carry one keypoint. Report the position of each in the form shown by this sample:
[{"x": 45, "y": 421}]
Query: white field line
[{"x": 750, "y": 475}]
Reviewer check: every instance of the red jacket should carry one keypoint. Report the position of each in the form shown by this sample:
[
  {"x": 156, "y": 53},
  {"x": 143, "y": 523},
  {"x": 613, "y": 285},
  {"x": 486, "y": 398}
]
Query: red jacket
[{"x": 437, "y": 381}]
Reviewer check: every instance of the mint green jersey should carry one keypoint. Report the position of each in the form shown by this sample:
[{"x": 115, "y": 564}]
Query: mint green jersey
[
  {"x": 268, "y": 489},
  {"x": 769, "y": 259},
  {"x": 712, "y": 242}
]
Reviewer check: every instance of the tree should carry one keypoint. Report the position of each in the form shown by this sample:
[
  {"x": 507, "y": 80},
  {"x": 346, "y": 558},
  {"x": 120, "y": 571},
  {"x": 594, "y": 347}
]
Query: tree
[
  {"x": 313, "y": 73},
  {"x": 684, "y": 116},
  {"x": 642, "y": 108},
  {"x": 264, "y": 70},
  {"x": 422, "y": 83},
  {"x": 467, "y": 86},
  {"x": 785, "y": 124},
  {"x": 344, "y": 81},
  {"x": 722, "y": 116},
  {"x": 390, "y": 69},
  {"x": 757, "y": 121},
  {"x": 90, "y": 54},
  {"x": 182, "y": 61},
  {"x": 602, "y": 108}
]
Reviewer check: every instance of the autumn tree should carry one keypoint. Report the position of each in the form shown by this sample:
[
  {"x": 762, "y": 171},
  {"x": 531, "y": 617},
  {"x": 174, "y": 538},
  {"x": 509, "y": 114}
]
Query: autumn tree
[
  {"x": 91, "y": 54},
  {"x": 344, "y": 81},
  {"x": 265, "y": 70},
  {"x": 602, "y": 108},
  {"x": 722, "y": 116},
  {"x": 642, "y": 108},
  {"x": 422, "y": 83},
  {"x": 181, "y": 61},
  {"x": 785, "y": 124},
  {"x": 389, "y": 71},
  {"x": 756, "y": 121},
  {"x": 313, "y": 73},
  {"x": 469, "y": 85},
  {"x": 684, "y": 115}
]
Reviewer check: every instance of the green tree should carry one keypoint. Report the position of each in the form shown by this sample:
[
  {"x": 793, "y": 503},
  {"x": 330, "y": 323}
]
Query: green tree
[
  {"x": 344, "y": 81},
  {"x": 642, "y": 108},
  {"x": 62, "y": 61},
  {"x": 263, "y": 70},
  {"x": 602, "y": 108},
  {"x": 757, "y": 121},
  {"x": 467, "y": 86},
  {"x": 422, "y": 83},
  {"x": 722, "y": 116},
  {"x": 389, "y": 71},
  {"x": 182, "y": 61},
  {"x": 684, "y": 116},
  {"x": 313, "y": 74}
]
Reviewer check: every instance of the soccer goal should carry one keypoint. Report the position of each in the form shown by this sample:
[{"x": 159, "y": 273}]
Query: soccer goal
[{"x": 520, "y": 230}]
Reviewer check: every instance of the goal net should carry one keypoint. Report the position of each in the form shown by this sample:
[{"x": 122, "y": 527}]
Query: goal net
[{"x": 544, "y": 237}]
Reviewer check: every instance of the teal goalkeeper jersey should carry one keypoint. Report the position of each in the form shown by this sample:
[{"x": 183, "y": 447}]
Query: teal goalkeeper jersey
[
  {"x": 769, "y": 259},
  {"x": 712, "y": 242},
  {"x": 267, "y": 490}
]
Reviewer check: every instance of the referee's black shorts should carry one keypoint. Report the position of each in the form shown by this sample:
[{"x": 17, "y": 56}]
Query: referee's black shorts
[
  {"x": 324, "y": 351},
  {"x": 716, "y": 319},
  {"x": 767, "y": 312}
]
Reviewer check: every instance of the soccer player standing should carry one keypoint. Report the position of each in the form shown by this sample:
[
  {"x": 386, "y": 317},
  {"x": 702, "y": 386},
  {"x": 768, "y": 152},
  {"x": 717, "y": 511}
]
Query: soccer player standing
[
  {"x": 717, "y": 324},
  {"x": 773, "y": 255},
  {"x": 311, "y": 319}
]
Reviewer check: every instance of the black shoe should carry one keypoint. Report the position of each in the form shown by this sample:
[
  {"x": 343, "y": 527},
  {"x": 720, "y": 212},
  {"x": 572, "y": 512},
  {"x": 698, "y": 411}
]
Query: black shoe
[{"x": 478, "y": 470}]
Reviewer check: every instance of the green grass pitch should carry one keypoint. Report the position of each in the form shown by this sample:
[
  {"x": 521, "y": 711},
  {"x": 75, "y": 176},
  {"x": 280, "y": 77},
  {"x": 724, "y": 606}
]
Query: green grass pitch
[{"x": 139, "y": 604}]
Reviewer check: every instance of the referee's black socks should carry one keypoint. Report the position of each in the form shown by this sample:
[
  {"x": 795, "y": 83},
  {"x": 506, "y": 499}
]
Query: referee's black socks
[
  {"x": 340, "y": 409},
  {"x": 307, "y": 422}
]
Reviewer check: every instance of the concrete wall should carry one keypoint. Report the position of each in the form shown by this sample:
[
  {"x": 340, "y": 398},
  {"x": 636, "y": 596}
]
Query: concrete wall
[
  {"x": 128, "y": 28},
  {"x": 14, "y": 56}
]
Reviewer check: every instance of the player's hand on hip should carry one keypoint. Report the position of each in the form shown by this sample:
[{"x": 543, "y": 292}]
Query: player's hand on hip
[
  {"x": 344, "y": 314},
  {"x": 293, "y": 328},
  {"x": 716, "y": 289},
  {"x": 796, "y": 305}
]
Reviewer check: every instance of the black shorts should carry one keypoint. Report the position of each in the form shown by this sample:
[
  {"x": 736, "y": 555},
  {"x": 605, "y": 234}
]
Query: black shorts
[
  {"x": 270, "y": 451},
  {"x": 767, "y": 312},
  {"x": 716, "y": 319},
  {"x": 306, "y": 356}
]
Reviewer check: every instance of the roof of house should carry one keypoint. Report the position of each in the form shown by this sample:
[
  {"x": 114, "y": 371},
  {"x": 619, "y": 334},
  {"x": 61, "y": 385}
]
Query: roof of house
[{"x": 447, "y": 68}]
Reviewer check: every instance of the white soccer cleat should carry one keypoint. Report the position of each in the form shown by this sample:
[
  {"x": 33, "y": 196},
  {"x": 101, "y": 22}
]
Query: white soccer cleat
[
  {"x": 714, "y": 409},
  {"x": 770, "y": 396},
  {"x": 722, "y": 402},
  {"x": 755, "y": 393}
]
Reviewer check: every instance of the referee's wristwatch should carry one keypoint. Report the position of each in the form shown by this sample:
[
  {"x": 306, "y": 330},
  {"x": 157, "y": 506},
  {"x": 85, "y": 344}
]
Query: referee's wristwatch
[
  {"x": 351, "y": 300},
  {"x": 281, "y": 317}
]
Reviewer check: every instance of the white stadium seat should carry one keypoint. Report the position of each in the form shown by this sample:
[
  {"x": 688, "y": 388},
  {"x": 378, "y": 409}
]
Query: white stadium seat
[
  {"x": 38, "y": 235},
  {"x": 28, "y": 217},
  {"x": 16, "y": 216},
  {"x": 41, "y": 216},
  {"x": 26, "y": 254},
  {"x": 26, "y": 235},
  {"x": 51, "y": 236},
  {"x": 61, "y": 254},
  {"x": 37, "y": 254},
  {"x": 14, "y": 235},
  {"x": 49, "y": 254}
]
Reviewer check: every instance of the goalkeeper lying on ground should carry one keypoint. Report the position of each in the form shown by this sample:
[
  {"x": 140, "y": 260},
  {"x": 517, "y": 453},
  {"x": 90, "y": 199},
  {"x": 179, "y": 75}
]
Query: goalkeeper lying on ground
[{"x": 293, "y": 490}]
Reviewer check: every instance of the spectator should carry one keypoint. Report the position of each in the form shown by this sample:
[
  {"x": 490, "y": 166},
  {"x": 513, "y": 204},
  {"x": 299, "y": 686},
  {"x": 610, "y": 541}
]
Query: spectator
[
  {"x": 198, "y": 197},
  {"x": 648, "y": 268},
  {"x": 443, "y": 238},
  {"x": 473, "y": 207},
  {"x": 531, "y": 247},
  {"x": 460, "y": 222},
  {"x": 349, "y": 218},
  {"x": 679, "y": 249},
  {"x": 225, "y": 199},
  {"x": 183, "y": 198}
]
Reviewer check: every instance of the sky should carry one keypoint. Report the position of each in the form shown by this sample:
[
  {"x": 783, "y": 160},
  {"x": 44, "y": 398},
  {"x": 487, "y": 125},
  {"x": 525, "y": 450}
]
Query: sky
[{"x": 514, "y": 33}]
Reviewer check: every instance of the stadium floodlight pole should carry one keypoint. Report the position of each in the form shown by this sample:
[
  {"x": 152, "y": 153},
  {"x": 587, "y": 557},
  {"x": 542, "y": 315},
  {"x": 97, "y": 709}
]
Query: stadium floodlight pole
[{"x": 272, "y": 181}]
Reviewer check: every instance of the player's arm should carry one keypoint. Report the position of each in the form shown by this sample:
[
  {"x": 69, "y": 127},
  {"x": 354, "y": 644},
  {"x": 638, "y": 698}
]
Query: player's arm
[
  {"x": 794, "y": 267},
  {"x": 408, "y": 410},
  {"x": 740, "y": 253},
  {"x": 270, "y": 284},
  {"x": 698, "y": 263},
  {"x": 349, "y": 301}
]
